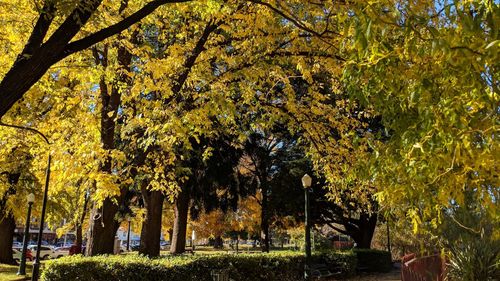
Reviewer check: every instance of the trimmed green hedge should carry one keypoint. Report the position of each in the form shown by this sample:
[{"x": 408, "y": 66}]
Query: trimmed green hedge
[
  {"x": 251, "y": 267},
  {"x": 373, "y": 260}
]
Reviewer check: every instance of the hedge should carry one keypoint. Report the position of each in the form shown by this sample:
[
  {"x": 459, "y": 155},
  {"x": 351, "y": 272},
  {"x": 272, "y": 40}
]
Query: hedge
[
  {"x": 373, "y": 260},
  {"x": 251, "y": 267}
]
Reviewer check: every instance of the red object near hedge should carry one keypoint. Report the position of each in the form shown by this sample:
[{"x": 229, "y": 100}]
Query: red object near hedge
[{"x": 428, "y": 268}]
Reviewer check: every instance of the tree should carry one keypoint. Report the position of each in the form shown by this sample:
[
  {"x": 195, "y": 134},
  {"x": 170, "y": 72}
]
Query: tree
[
  {"x": 430, "y": 70},
  {"x": 432, "y": 75},
  {"x": 266, "y": 155},
  {"x": 349, "y": 214},
  {"x": 233, "y": 223},
  {"x": 212, "y": 184},
  {"x": 103, "y": 233},
  {"x": 15, "y": 178},
  {"x": 7, "y": 222}
]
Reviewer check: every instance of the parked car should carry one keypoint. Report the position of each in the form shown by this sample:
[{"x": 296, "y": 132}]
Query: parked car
[
  {"x": 17, "y": 252},
  {"x": 60, "y": 252},
  {"x": 164, "y": 245},
  {"x": 45, "y": 251}
]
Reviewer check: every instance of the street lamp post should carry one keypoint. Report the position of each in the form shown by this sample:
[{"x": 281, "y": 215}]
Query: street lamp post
[
  {"x": 22, "y": 267},
  {"x": 36, "y": 264},
  {"x": 306, "y": 183},
  {"x": 128, "y": 235}
]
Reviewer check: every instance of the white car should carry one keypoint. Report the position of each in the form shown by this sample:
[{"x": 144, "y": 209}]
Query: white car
[
  {"x": 60, "y": 252},
  {"x": 16, "y": 254},
  {"x": 46, "y": 252}
]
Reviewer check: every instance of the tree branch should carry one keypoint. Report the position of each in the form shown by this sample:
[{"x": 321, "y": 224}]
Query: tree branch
[
  {"x": 337, "y": 229},
  {"x": 295, "y": 21},
  {"x": 41, "y": 27},
  {"x": 102, "y": 34},
  {"x": 191, "y": 59}
]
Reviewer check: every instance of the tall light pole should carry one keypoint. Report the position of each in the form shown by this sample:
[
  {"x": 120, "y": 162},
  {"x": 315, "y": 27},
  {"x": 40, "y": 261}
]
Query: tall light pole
[
  {"x": 128, "y": 234},
  {"x": 22, "y": 267},
  {"x": 306, "y": 183},
  {"x": 36, "y": 264}
]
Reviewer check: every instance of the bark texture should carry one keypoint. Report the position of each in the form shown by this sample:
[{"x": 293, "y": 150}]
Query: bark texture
[
  {"x": 178, "y": 243},
  {"x": 362, "y": 233},
  {"x": 151, "y": 227},
  {"x": 7, "y": 227}
]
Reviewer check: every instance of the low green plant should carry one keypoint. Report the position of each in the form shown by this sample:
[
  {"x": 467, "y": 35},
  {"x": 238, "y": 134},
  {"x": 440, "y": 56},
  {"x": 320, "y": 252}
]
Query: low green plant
[
  {"x": 373, "y": 260},
  {"x": 471, "y": 237},
  {"x": 249, "y": 267},
  {"x": 475, "y": 260}
]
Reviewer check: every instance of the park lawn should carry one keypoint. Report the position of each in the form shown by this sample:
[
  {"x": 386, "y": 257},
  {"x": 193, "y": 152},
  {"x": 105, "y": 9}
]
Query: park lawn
[{"x": 9, "y": 273}]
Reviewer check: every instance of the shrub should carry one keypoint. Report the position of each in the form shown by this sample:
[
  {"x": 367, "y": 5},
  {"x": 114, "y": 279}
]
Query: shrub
[
  {"x": 345, "y": 262},
  {"x": 475, "y": 260},
  {"x": 373, "y": 260},
  {"x": 274, "y": 266}
]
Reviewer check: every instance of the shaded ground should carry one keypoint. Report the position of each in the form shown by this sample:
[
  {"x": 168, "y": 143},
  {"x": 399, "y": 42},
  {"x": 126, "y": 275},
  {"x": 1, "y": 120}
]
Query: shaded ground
[
  {"x": 391, "y": 276},
  {"x": 394, "y": 275},
  {"x": 9, "y": 273}
]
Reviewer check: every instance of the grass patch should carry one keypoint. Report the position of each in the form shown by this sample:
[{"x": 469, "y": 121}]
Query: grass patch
[{"x": 9, "y": 273}]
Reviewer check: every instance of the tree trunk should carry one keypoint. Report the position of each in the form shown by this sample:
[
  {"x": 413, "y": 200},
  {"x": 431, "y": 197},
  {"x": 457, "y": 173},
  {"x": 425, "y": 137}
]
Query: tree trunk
[
  {"x": 170, "y": 235},
  {"x": 151, "y": 227},
  {"x": 218, "y": 243},
  {"x": 264, "y": 224},
  {"x": 79, "y": 239},
  {"x": 79, "y": 226},
  {"x": 363, "y": 233},
  {"x": 103, "y": 229},
  {"x": 178, "y": 243},
  {"x": 7, "y": 227}
]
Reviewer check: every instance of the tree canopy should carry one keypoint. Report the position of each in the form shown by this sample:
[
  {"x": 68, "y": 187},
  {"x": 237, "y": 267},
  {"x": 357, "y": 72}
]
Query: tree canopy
[{"x": 394, "y": 103}]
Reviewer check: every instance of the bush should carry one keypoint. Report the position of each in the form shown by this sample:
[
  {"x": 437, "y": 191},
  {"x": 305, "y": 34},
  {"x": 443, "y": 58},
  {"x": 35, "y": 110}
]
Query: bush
[
  {"x": 475, "y": 260},
  {"x": 373, "y": 260},
  {"x": 274, "y": 266},
  {"x": 345, "y": 261}
]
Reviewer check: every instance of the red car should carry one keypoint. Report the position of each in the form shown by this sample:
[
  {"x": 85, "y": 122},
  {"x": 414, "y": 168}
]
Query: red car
[{"x": 17, "y": 254}]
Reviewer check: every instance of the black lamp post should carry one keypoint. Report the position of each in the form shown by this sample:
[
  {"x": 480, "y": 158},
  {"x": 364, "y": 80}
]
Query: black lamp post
[
  {"x": 22, "y": 267},
  {"x": 36, "y": 264},
  {"x": 128, "y": 234},
  {"x": 306, "y": 183}
]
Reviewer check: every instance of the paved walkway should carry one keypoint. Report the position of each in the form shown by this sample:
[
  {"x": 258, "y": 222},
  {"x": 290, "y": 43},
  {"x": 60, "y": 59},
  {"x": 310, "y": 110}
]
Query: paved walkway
[{"x": 394, "y": 275}]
